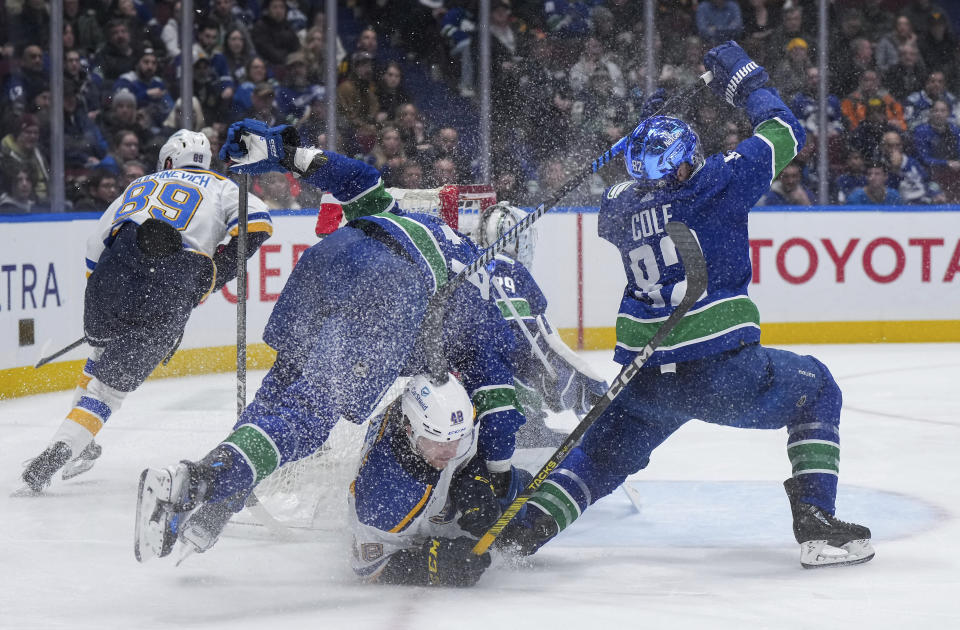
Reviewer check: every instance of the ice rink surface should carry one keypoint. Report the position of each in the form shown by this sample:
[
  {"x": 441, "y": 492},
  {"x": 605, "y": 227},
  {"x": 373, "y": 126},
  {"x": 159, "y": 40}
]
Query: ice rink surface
[{"x": 711, "y": 546}]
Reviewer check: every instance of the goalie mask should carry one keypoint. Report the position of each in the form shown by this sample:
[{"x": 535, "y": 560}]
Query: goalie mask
[
  {"x": 438, "y": 416},
  {"x": 658, "y": 147},
  {"x": 183, "y": 149},
  {"x": 499, "y": 219}
]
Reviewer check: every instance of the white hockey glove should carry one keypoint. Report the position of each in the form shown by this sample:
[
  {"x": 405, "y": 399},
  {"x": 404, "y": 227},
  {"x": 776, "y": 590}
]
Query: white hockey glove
[{"x": 254, "y": 148}]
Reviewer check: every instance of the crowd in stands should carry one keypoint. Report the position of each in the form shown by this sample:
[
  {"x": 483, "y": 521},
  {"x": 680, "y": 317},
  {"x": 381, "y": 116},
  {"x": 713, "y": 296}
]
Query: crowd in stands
[{"x": 567, "y": 81}]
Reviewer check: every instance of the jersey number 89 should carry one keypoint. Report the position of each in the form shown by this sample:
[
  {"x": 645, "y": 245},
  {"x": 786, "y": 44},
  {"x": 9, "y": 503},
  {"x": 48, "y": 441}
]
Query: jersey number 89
[{"x": 176, "y": 203}]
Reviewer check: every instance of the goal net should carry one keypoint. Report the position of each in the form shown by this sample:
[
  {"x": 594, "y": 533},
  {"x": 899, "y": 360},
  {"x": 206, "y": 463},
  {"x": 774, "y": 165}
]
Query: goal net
[{"x": 311, "y": 493}]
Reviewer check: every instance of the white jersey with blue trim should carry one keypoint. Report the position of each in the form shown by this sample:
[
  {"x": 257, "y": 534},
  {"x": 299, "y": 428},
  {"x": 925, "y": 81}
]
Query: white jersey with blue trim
[
  {"x": 202, "y": 205},
  {"x": 391, "y": 507}
]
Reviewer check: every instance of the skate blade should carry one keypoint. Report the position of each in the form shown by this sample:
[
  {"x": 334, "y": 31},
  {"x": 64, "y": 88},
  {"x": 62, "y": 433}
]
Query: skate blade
[
  {"x": 26, "y": 491},
  {"x": 77, "y": 467},
  {"x": 185, "y": 552},
  {"x": 155, "y": 486},
  {"x": 816, "y": 554}
]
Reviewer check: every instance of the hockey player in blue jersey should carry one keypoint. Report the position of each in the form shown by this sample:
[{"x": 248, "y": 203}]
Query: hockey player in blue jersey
[
  {"x": 421, "y": 498},
  {"x": 547, "y": 373},
  {"x": 345, "y": 326},
  {"x": 712, "y": 366},
  {"x": 155, "y": 254}
]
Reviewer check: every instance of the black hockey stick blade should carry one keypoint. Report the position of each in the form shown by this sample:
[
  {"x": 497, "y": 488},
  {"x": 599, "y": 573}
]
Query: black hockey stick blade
[
  {"x": 60, "y": 352},
  {"x": 696, "y": 271}
]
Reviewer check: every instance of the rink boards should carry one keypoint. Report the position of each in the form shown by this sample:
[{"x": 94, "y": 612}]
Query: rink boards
[{"x": 819, "y": 276}]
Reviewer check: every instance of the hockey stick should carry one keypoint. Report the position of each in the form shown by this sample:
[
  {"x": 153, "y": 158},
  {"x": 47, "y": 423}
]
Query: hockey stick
[
  {"x": 523, "y": 328},
  {"x": 59, "y": 353},
  {"x": 430, "y": 331},
  {"x": 696, "y": 270},
  {"x": 242, "y": 295}
]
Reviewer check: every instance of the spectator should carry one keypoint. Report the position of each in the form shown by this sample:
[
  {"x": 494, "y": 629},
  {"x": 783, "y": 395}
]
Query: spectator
[
  {"x": 26, "y": 82},
  {"x": 149, "y": 89},
  {"x": 686, "y": 73},
  {"x": 507, "y": 41},
  {"x": 457, "y": 27},
  {"x": 445, "y": 144},
  {"x": 443, "y": 172},
  {"x": 130, "y": 171},
  {"x": 32, "y": 26},
  {"x": 594, "y": 60},
  {"x": 918, "y": 104},
  {"x": 788, "y": 190},
  {"x": 21, "y": 148},
  {"x": 296, "y": 91},
  {"x": 876, "y": 192},
  {"x": 759, "y": 19},
  {"x": 412, "y": 130},
  {"x": 124, "y": 146},
  {"x": 390, "y": 92},
  {"x": 939, "y": 47},
  {"x": 868, "y": 136},
  {"x": 847, "y": 76},
  {"x": 789, "y": 75},
  {"x": 215, "y": 136},
  {"x": 228, "y": 17},
  {"x": 908, "y": 76},
  {"x": 389, "y": 153},
  {"x": 357, "y": 102},
  {"x": 277, "y": 193},
  {"x": 256, "y": 73},
  {"x": 853, "y": 177},
  {"x": 906, "y": 174},
  {"x": 17, "y": 196},
  {"x": 921, "y": 14},
  {"x": 938, "y": 147},
  {"x": 315, "y": 51},
  {"x": 87, "y": 85},
  {"x": 273, "y": 36},
  {"x": 791, "y": 28},
  {"x": 121, "y": 113},
  {"x": 887, "y": 52},
  {"x": 237, "y": 52},
  {"x": 263, "y": 105},
  {"x": 83, "y": 143},
  {"x": 877, "y": 20},
  {"x": 99, "y": 191},
  {"x": 410, "y": 175},
  {"x": 172, "y": 122},
  {"x": 805, "y": 106},
  {"x": 87, "y": 34},
  {"x": 116, "y": 56},
  {"x": 718, "y": 21},
  {"x": 854, "y": 107}
]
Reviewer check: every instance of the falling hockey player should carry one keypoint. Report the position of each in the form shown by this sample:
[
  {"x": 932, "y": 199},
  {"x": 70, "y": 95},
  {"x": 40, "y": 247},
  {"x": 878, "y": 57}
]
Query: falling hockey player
[
  {"x": 340, "y": 344},
  {"x": 547, "y": 372},
  {"x": 154, "y": 256},
  {"x": 421, "y": 498},
  {"x": 711, "y": 366}
]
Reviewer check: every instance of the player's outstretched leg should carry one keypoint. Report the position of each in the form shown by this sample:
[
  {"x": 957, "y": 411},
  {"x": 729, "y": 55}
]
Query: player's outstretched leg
[
  {"x": 824, "y": 539},
  {"x": 82, "y": 462},
  {"x": 165, "y": 498},
  {"x": 41, "y": 469}
]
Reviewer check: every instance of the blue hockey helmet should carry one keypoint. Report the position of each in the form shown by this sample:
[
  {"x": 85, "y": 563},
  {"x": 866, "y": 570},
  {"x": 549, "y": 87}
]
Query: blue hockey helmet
[{"x": 658, "y": 146}]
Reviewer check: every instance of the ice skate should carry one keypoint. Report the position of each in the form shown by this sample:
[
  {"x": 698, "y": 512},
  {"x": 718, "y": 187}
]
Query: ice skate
[
  {"x": 83, "y": 462},
  {"x": 165, "y": 498},
  {"x": 202, "y": 528},
  {"x": 824, "y": 539},
  {"x": 41, "y": 469}
]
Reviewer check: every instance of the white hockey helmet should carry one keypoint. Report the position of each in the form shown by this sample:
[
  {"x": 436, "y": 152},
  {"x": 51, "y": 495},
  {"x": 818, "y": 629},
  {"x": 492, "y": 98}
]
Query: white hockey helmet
[
  {"x": 185, "y": 148},
  {"x": 497, "y": 220},
  {"x": 439, "y": 413}
]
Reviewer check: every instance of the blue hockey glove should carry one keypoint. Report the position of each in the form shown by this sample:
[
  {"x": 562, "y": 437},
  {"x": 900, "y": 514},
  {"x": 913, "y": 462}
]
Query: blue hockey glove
[
  {"x": 252, "y": 147},
  {"x": 735, "y": 75}
]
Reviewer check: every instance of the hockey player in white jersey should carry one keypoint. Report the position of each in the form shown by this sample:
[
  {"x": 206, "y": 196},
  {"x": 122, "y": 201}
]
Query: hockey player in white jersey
[
  {"x": 155, "y": 255},
  {"x": 547, "y": 373},
  {"x": 421, "y": 498}
]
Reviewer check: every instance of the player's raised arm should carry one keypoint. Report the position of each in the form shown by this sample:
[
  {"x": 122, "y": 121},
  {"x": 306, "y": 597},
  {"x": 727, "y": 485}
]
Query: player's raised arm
[
  {"x": 254, "y": 148},
  {"x": 777, "y": 137}
]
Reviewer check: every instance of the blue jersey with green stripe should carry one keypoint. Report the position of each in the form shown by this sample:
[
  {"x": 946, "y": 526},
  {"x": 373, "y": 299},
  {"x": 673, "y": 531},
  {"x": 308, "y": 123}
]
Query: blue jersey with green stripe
[{"x": 714, "y": 203}]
